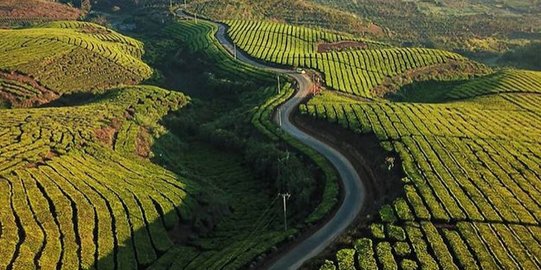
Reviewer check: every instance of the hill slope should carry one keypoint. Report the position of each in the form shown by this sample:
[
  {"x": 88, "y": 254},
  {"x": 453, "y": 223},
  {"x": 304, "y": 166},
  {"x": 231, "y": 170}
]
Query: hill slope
[
  {"x": 16, "y": 12},
  {"x": 472, "y": 188},
  {"x": 471, "y": 191},
  {"x": 66, "y": 57},
  {"x": 75, "y": 194},
  {"x": 302, "y": 12},
  {"x": 357, "y": 69}
]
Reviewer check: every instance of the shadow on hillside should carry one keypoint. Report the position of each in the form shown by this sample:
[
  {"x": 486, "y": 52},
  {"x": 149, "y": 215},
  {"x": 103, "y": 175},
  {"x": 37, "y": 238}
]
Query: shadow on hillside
[
  {"x": 75, "y": 99},
  {"x": 431, "y": 91},
  {"x": 383, "y": 185},
  {"x": 162, "y": 237}
]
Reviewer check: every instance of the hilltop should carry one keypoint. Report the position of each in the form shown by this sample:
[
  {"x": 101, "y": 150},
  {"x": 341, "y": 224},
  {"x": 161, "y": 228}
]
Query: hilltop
[
  {"x": 42, "y": 63},
  {"x": 14, "y": 12}
]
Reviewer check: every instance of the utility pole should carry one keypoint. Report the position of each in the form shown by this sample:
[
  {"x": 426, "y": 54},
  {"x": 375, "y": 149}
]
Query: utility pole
[
  {"x": 185, "y": 5},
  {"x": 278, "y": 77},
  {"x": 235, "y": 50},
  {"x": 279, "y": 117},
  {"x": 195, "y": 16},
  {"x": 285, "y": 197}
]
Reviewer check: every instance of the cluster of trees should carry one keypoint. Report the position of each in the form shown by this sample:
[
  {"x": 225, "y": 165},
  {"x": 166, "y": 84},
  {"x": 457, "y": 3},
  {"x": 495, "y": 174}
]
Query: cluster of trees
[
  {"x": 528, "y": 56},
  {"x": 84, "y": 5}
]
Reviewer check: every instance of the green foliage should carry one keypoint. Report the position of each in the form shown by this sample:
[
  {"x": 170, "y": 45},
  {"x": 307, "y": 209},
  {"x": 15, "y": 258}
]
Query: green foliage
[
  {"x": 385, "y": 256},
  {"x": 377, "y": 230},
  {"x": 292, "y": 12},
  {"x": 328, "y": 265},
  {"x": 387, "y": 215},
  {"x": 346, "y": 259},
  {"x": 402, "y": 249},
  {"x": 528, "y": 56},
  {"x": 263, "y": 122},
  {"x": 449, "y": 25},
  {"x": 65, "y": 161},
  {"x": 408, "y": 264},
  {"x": 365, "y": 254},
  {"x": 506, "y": 81},
  {"x": 402, "y": 209},
  {"x": 395, "y": 232},
  {"x": 461, "y": 159}
]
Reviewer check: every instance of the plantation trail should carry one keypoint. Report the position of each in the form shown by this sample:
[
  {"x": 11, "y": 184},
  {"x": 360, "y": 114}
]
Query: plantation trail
[{"x": 353, "y": 188}]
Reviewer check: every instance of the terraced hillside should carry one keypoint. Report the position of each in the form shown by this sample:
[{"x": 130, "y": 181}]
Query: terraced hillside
[
  {"x": 66, "y": 57},
  {"x": 76, "y": 194},
  {"x": 301, "y": 12},
  {"x": 473, "y": 177},
  {"x": 489, "y": 26},
  {"x": 506, "y": 81},
  {"x": 257, "y": 105},
  {"x": 80, "y": 191},
  {"x": 249, "y": 226},
  {"x": 83, "y": 188},
  {"x": 471, "y": 191},
  {"x": 353, "y": 70}
]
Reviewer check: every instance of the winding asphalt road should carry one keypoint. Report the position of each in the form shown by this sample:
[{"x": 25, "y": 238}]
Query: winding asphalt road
[{"x": 353, "y": 188}]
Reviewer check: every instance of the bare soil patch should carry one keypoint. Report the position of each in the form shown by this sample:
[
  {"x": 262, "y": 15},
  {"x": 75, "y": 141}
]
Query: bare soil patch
[
  {"x": 45, "y": 95},
  {"x": 340, "y": 46},
  {"x": 143, "y": 143},
  {"x": 107, "y": 134}
]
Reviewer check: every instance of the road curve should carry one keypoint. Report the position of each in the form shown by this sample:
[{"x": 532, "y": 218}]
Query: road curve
[{"x": 353, "y": 188}]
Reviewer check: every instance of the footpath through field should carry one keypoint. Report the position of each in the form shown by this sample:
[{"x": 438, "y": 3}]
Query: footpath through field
[{"x": 353, "y": 188}]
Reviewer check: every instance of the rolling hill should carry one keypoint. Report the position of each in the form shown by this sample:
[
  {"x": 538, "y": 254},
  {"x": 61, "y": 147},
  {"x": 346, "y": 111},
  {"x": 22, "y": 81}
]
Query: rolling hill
[{"x": 65, "y": 57}]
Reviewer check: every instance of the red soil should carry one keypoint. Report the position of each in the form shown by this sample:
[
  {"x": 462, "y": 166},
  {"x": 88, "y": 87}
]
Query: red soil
[
  {"x": 340, "y": 46},
  {"x": 37, "y": 9},
  {"x": 46, "y": 95}
]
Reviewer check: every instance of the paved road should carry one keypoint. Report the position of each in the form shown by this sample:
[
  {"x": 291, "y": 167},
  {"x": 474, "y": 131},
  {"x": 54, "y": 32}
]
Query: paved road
[{"x": 353, "y": 188}]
